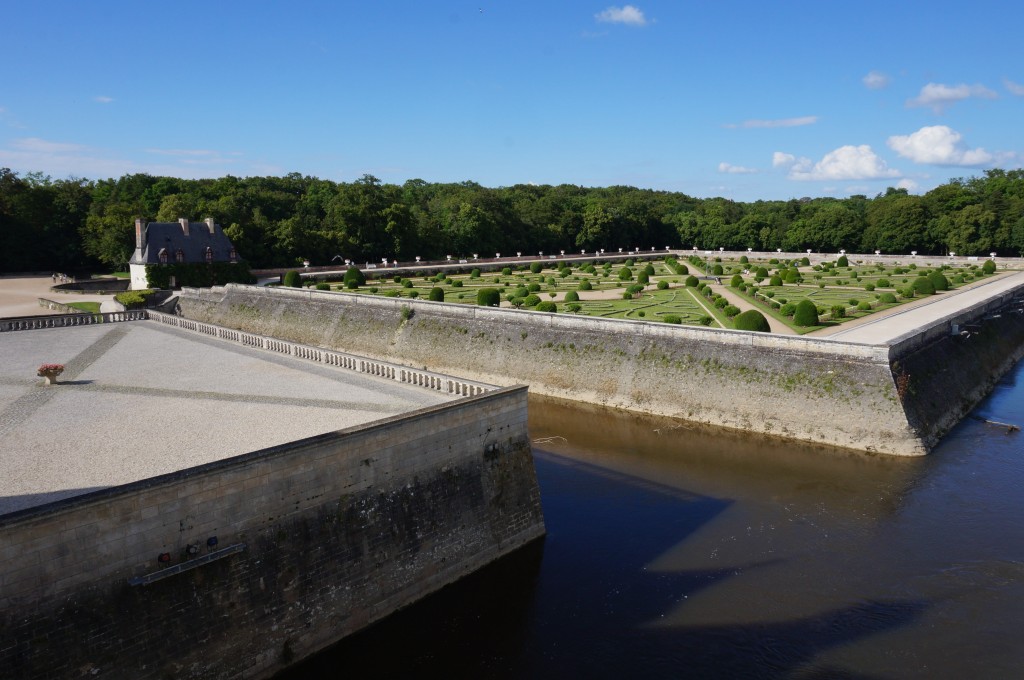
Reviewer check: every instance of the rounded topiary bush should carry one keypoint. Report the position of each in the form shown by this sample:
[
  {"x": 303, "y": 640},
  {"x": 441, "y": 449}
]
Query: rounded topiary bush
[
  {"x": 731, "y": 310},
  {"x": 629, "y": 262},
  {"x": 805, "y": 262},
  {"x": 864, "y": 306},
  {"x": 323, "y": 286},
  {"x": 838, "y": 311},
  {"x": 717, "y": 270},
  {"x": 788, "y": 309},
  {"x": 869, "y": 287},
  {"x": 776, "y": 280},
  {"x": 536, "y": 267},
  {"x": 354, "y": 274},
  {"x": 842, "y": 261},
  {"x": 488, "y": 297},
  {"x": 531, "y": 300},
  {"x": 643, "y": 278},
  {"x": 736, "y": 281},
  {"x": 585, "y": 285},
  {"x": 939, "y": 280},
  {"x": 506, "y": 271},
  {"x": 436, "y": 294},
  {"x": 352, "y": 284},
  {"x": 752, "y": 320},
  {"x": 806, "y": 314},
  {"x": 625, "y": 274},
  {"x": 989, "y": 267},
  {"x": 406, "y": 283},
  {"x": 292, "y": 280},
  {"x": 649, "y": 269},
  {"x": 744, "y": 259},
  {"x": 414, "y": 293},
  {"x": 662, "y": 285},
  {"x": 672, "y": 318},
  {"x": 692, "y": 281},
  {"x": 923, "y": 285},
  {"x": 457, "y": 283},
  {"x": 533, "y": 287},
  {"x": 887, "y": 298},
  {"x": 474, "y": 274},
  {"x": 791, "y": 276},
  {"x": 682, "y": 269},
  {"x": 572, "y": 296},
  {"x": 546, "y": 306}
]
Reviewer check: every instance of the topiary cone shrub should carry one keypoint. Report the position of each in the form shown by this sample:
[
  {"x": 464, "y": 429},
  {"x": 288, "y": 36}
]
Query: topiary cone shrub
[
  {"x": 752, "y": 320},
  {"x": 989, "y": 267},
  {"x": 488, "y": 297},
  {"x": 806, "y": 314},
  {"x": 436, "y": 295},
  {"x": 776, "y": 280},
  {"x": 842, "y": 261}
]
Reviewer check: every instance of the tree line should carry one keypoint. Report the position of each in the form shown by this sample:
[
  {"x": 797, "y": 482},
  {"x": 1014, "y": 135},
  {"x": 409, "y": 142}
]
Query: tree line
[{"x": 75, "y": 224}]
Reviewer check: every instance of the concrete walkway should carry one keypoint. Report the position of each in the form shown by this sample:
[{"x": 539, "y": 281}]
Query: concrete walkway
[{"x": 883, "y": 329}]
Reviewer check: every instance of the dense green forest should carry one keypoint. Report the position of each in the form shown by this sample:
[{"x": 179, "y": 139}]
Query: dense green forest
[{"x": 277, "y": 221}]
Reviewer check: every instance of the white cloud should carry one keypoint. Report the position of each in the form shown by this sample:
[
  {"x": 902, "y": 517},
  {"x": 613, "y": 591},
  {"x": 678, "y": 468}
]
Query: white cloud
[
  {"x": 628, "y": 14},
  {"x": 735, "y": 169},
  {"x": 908, "y": 184},
  {"x": 36, "y": 145},
  {"x": 938, "y": 145},
  {"x": 784, "y": 160},
  {"x": 939, "y": 96},
  {"x": 1014, "y": 88},
  {"x": 103, "y": 100},
  {"x": 777, "y": 123},
  {"x": 845, "y": 163},
  {"x": 876, "y": 80},
  {"x": 60, "y": 159}
]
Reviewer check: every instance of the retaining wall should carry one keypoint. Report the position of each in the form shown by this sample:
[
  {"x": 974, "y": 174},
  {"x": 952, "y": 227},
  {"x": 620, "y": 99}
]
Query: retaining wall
[
  {"x": 817, "y": 390},
  {"x": 271, "y": 555}
]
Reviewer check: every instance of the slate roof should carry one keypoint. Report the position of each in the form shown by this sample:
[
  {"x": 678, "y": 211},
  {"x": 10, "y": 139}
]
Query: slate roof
[{"x": 171, "y": 237}]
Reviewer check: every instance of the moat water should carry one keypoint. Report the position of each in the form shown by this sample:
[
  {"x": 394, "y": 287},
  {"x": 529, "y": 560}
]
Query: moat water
[{"x": 675, "y": 553}]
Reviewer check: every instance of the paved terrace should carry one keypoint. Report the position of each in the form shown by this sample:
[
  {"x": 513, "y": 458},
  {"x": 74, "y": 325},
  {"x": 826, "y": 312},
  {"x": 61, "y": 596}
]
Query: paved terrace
[{"x": 139, "y": 399}]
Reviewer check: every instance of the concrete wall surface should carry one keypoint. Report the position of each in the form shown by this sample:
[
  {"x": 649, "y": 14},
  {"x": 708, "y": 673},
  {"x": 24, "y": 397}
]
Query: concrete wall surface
[
  {"x": 314, "y": 540},
  {"x": 818, "y": 390}
]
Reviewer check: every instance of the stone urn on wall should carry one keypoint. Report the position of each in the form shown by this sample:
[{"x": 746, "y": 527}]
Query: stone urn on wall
[{"x": 50, "y": 372}]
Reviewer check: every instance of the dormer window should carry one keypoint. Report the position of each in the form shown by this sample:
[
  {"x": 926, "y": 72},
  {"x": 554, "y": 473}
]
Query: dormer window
[
  {"x": 209, "y": 255},
  {"x": 179, "y": 255},
  {"x": 234, "y": 255},
  {"x": 162, "y": 255}
]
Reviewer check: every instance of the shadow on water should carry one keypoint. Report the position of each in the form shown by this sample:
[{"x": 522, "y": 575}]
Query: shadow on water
[{"x": 583, "y": 602}]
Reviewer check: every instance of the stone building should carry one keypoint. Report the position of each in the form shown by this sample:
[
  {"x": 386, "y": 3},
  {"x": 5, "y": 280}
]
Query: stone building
[{"x": 177, "y": 243}]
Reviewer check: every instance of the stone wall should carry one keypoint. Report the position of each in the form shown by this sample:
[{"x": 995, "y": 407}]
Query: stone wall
[
  {"x": 814, "y": 390},
  {"x": 817, "y": 390},
  {"x": 273, "y": 554}
]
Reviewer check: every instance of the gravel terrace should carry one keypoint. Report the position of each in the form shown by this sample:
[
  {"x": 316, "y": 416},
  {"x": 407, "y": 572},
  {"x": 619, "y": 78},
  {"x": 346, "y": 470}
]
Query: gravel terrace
[{"x": 138, "y": 399}]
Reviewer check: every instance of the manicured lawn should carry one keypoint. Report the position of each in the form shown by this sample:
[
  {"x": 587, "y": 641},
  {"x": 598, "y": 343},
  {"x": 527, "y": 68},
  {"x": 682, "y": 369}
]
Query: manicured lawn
[{"x": 91, "y": 307}]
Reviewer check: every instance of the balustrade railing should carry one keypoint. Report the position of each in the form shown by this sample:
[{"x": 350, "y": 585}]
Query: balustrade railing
[
  {"x": 343, "y": 360},
  {"x": 30, "y": 323}
]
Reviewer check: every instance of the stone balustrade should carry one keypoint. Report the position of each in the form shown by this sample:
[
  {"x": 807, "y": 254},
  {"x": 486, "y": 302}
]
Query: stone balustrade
[
  {"x": 29, "y": 323},
  {"x": 343, "y": 360}
]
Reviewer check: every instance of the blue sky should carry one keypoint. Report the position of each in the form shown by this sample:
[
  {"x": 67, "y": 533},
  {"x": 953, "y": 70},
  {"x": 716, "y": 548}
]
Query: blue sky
[{"x": 747, "y": 100}]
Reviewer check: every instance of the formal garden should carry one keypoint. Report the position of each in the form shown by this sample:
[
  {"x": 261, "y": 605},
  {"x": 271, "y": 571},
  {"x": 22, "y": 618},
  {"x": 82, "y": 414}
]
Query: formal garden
[{"x": 698, "y": 292}]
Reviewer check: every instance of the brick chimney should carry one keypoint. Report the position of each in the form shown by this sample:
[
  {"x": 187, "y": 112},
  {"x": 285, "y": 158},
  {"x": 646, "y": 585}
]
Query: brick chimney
[
  {"x": 140, "y": 235},
  {"x": 183, "y": 221}
]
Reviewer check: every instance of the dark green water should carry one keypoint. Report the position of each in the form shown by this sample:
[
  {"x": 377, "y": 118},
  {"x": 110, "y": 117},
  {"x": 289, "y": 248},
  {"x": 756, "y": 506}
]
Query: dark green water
[{"x": 674, "y": 553}]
